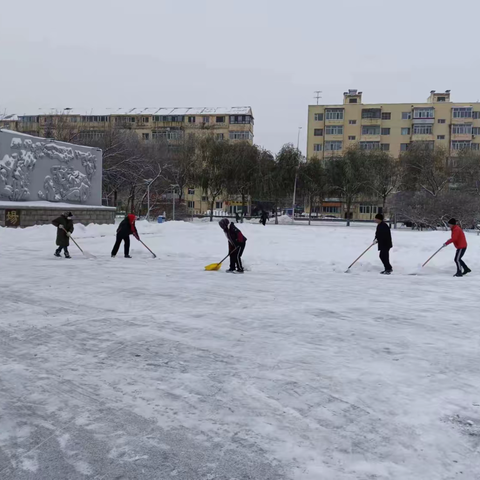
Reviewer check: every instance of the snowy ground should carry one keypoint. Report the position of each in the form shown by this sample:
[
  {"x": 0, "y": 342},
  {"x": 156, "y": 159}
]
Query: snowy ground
[{"x": 155, "y": 369}]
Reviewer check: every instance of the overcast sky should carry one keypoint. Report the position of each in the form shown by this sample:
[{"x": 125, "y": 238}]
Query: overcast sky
[{"x": 269, "y": 54}]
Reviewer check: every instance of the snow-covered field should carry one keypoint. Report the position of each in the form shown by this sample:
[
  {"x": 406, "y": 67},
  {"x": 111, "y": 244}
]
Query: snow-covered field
[{"x": 155, "y": 369}]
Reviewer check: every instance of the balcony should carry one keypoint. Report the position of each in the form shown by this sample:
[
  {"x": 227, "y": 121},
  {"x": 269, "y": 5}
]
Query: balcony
[
  {"x": 370, "y": 138},
  {"x": 423, "y": 121},
  {"x": 333, "y": 138},
  {"x": 334, "y": 122},
  {"x": 462, "y": 137},
  {"x": 371, "y": 121},
  {"x": 422, "y": 137}
]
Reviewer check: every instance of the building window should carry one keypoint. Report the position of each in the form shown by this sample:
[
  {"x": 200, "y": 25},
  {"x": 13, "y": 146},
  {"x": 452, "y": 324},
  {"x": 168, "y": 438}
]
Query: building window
[
  {"x": 368, "y": 209},
  {"x": 191, "y": 119},
  {"x": 240, "y": 119},
  {"x": 475, "y": 115},
  {"x": 191, "y": 204},
  {"x": 475, "y": 131},
  {"x": 318, "y": 117},
  {"x": 353, "y": 100},
  {"x": 404, "y": 147},
  {"x": 369, "y": 145},
  {"x": 317, "y": 147},
  {"x": 385, "y": 131},
  {"x": 167, "y": 135},
  {"x": 218, "y": 204},
  {"x": 440, "y": 137},
  {"x": 475, "y": 146},
  {"x": 145, "y": 136},
  {"x": 334, "y": 114},
  {"x": 406, "y": 115},
  {"x": 371, "y": 113},
  {"x": 442, "y": 120},
  {"x": 441, "y": 99},
  {"x": 334, "y": 146},
  {"x": 334, "y": 130},
  {"x": 424, "y": 112},
  {"x": 460, "y": 145},
  {"x": 241, "y": 136},
  {"x": 385, "y": 147},
  {"x": 191, "y": 191},
  {"x": 462, "y": 112},
  {"x": 91, "y": 135},
  {"x": 352, "y": 137},
  {"x": 462, "y": 129},
  {"x": 204, "y": 198},
  {"x": 206, "y": 119},
  {"x": 220, "y": 119},
  {"x": 352, "y": 122},
  {"x": 169, "y": 118},
  {"x": 219, "y": 136},
  {"x": 422, "y": 129},
  {"x": 386, "y": 116},
  {"x": 370, "y": 130},
  {"x": 318, "y": 132},
  {"x": 406, "y": 131},
  {"x": 145, "y": 119},
  {"x": 331, "y": 209}
]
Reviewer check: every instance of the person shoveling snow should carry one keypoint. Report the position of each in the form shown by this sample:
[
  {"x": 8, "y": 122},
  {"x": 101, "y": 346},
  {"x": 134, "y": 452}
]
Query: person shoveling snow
[
  {"x": 65, "y": 228},
  {"x": 460, "y": 242}
]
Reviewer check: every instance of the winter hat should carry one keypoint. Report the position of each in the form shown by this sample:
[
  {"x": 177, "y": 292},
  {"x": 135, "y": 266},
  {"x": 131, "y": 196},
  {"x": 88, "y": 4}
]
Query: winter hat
[
  {"x": 452, "y": 221},
  {"x": 224, "y": 223},
  {"x": 379, "y": 216},
  {"x": 67, "y": 214}
]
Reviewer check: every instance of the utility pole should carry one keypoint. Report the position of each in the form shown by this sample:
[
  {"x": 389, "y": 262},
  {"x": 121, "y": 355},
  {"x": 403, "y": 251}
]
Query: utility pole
[
  {"x": 148, "y": 182},
  {"x": 296, "y": 174},
  {"x": 317, "y": 95}
]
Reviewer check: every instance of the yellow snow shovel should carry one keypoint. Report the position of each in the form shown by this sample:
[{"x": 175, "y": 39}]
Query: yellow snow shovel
[{"x": 216, "y": 266}]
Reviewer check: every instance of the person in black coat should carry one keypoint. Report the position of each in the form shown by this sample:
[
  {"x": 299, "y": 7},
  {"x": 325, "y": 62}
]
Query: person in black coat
[
  {"x": 383, "y": 238},
  {"x": 64, "y": 226},
  {"x": 236, "y": 245},
  {"x": 125, "y": 229}
]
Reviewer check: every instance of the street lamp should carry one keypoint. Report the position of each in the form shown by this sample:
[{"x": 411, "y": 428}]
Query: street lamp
[
  {"x": 148, "y": 181},
  {"x": 296, "y": 174}
]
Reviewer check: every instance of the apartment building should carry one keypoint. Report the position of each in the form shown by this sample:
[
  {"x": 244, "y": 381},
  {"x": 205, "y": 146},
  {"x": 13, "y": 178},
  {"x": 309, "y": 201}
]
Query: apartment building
[
  {"x": 392, "y": 127},
  {"x": 169, "y": 125}
]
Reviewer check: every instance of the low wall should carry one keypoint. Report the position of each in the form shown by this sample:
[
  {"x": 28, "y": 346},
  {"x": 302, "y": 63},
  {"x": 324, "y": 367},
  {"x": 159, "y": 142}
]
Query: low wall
[{"x": 17, "y": 216}]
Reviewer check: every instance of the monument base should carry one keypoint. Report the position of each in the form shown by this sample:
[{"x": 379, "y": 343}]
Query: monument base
[{"x": 28, "y": 214}]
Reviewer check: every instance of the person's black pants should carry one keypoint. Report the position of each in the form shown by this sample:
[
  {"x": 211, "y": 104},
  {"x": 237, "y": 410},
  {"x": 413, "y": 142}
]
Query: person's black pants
[
  {"x": 59, "y": 250},
  {"x": 236, "y": 256},
  {"x": 458, "y": 260},
  {"x": 385, "y": 258},
  {"x": 126, "y": 245}
]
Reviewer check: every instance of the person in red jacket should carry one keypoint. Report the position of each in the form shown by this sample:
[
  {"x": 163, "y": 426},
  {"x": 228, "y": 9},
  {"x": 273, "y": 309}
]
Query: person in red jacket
[
  {"x": 460, "y": 242},
  {"x": 125, "y": 229}
]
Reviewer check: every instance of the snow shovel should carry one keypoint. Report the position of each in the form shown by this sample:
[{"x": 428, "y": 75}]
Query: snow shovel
[
  {"x": 348, "y": 269},
  {"x": 85, "y": 254},
  {"x": 441, "y": 248},
  {"x": 154, "y": 256},
  {"x": 213, "y": 267}
]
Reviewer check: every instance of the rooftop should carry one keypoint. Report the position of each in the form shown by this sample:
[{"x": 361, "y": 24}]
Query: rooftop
[{"x": 142, "y": 111}]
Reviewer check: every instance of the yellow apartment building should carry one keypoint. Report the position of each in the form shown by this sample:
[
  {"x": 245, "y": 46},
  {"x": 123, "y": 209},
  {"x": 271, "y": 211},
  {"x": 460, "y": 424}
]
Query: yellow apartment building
[
  {"x": 391, "y": 127},
  {"x": 169, "y": 125}
]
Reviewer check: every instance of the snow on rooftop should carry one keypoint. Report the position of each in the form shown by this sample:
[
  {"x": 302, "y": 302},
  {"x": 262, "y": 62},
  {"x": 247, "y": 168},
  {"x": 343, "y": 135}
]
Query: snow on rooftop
[
  {"x": 6, "y": 117},
  {"x": 143, "y": 111}
]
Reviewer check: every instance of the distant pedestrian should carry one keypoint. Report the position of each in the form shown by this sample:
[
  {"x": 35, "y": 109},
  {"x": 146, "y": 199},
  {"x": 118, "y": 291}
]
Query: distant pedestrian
[
  {"x": 236, "y": 245},
  {"x": 460, "y": 242},
  {"x": 237, "y": 217},
  {"x": 125, "y": 229},
  {"x": 264, "y": 217},
  {"x": 383, "y": 237},
  {"x": 64, "y": 224}
]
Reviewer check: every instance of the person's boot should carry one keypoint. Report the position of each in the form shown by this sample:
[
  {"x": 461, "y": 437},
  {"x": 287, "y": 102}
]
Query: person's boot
[
  {"x": 128, "y": 256},
  {"x": 57, "y": 253},
  {"x": 467, "y": 271},
  {"x": 67, "y": 254},
  {"x": 458, "y": 274}
]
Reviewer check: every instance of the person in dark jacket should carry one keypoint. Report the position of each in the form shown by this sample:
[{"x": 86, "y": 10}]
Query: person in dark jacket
[
  {"x": 64, "y": 226},
  {"x": 236, "y": 245},
  {"x": 125, "y": 229},
  {"x": 460, "y": 242},
  {"x": 263, "y": 219},
  {"x": 383, "y": 238}
]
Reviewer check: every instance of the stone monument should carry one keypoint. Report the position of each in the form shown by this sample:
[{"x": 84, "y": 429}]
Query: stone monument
[{"x": 41, "y": 178}]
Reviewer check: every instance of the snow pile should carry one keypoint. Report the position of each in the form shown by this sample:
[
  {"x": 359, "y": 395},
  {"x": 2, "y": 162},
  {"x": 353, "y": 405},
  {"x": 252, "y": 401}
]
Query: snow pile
[{"x": 120, "y": 367}]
